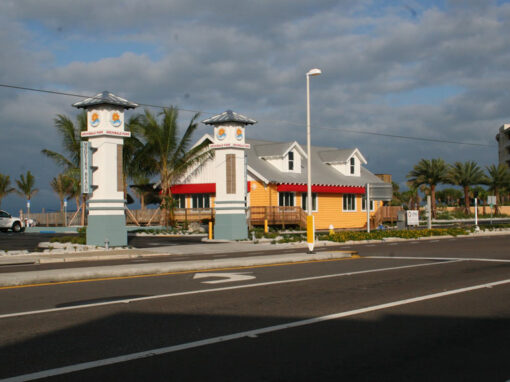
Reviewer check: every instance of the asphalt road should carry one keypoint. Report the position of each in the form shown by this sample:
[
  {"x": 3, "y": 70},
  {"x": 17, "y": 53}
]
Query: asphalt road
[{"x": 385, "y": 318}]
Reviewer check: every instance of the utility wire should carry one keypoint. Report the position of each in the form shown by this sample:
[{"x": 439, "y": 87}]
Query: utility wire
[{"x": 286, "y": 122}]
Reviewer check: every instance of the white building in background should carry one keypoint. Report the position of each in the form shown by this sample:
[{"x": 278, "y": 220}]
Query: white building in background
[{"x": 503, "y": 138}]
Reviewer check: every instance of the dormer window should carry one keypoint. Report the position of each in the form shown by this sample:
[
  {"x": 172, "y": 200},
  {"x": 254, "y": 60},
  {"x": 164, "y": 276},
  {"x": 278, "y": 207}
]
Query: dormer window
[
  {"x": 353, "y": 166},
  {"x": 291, "y": 160}
]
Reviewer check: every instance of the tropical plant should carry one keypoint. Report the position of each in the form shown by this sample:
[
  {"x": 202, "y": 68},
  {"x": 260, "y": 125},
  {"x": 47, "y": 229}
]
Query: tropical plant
[
  {"x": 5, "y": 186},
  {"x": 71, "y": 138},
  {"x": 396, "y": 199},
  {"x": 26, "y": 188},
  {"x": 449, "y": 196},
  {"x": 142, "y": 184},
  {"x": 429, "y": 173},
  {"x": 411, "y": 197},
  {"x": 465, "y": 175},
  {"x": 498, "y": 179},
  {"x": 62, "y": 185},
  {"x": 169, "y": 156}
]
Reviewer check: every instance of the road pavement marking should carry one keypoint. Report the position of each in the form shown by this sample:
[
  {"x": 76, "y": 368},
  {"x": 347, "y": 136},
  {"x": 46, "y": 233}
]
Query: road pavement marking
[
  {"x": 225, "y": 277},
  {"x": 177, "y": 294},
  {"x": 249, "y": 333},
  {"x": 438, "y": 258}
]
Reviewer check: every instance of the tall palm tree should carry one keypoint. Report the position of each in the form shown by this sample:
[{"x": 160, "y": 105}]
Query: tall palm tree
[
  {"x": 412, "y": 196},
  {"x": 498, "y": 179},
  {"x": 71, "y": 138},
  {"x": 465, "y": 175},
  {"x": 62, "y": 185},
  {"x": 429, "y": 173},
  {"x": 26, "y": 188},
  {"x": 5, "y": 186},
  {"x": 168, "y": 155}
]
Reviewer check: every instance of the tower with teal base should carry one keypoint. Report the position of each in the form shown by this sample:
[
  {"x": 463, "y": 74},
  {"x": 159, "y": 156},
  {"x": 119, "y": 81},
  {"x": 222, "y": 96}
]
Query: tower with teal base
[
  {"x": 231, "y": 179},
  {"x": 102, "y": 174}
]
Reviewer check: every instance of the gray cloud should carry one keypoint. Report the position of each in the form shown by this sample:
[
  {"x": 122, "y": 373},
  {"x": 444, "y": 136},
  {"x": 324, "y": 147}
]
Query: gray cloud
[{"x": 253, "y": 58}]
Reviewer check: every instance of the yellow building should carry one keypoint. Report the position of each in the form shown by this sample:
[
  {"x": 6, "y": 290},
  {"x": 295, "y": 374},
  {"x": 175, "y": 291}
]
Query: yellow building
[{"x": 276, "y": 185}]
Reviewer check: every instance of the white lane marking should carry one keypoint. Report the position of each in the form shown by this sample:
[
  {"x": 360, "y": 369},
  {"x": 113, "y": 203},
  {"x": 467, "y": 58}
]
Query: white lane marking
[
  {"x": 249, "y": 333},
  {"x": 438, "y": 258},
  {"x": 177, "y": 294},
  {"x": 224, "y": 277}
]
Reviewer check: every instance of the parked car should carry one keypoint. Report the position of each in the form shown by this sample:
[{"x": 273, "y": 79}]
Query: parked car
[{"x": 10, "y": 222}]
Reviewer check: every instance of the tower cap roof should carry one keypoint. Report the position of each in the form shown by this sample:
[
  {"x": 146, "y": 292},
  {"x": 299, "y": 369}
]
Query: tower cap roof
[
  {"x": 229, "y": 116},
  {"x": 105, "y": 98}
]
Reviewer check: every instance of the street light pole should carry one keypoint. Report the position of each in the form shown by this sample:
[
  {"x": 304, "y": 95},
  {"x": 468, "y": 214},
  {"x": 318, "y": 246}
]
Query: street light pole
[{"x": 310, "y": 226}]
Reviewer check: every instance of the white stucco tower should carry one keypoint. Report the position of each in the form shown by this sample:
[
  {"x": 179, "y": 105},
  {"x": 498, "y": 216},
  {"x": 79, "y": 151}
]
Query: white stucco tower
[
  {"x": 102, "y": 175},
  {"x": 231, "y": 179}
]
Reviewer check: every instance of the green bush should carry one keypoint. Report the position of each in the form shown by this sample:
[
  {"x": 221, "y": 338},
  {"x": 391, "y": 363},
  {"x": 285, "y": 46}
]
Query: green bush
[{"x": 404, "y": 234}]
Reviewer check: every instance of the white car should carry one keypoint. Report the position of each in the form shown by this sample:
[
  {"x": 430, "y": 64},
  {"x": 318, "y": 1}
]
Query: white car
[{"x": 10, "y": 222}]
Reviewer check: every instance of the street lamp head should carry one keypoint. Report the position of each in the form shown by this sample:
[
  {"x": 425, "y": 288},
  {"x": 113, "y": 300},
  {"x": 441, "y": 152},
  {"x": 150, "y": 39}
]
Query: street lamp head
[{"x": 314, "y": 72}]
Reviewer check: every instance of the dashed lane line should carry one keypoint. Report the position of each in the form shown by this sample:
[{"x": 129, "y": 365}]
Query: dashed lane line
[{"x": 168, "y": 295}]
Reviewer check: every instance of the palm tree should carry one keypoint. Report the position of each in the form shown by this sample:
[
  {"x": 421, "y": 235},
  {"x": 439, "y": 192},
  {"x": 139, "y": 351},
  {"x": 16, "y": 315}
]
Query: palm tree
[
  {"x": 429, "y": 173},
  {"x": 167, "y": 155},
  {"x": 412, "y": 196},
  {"x": 26, "y": 188},
  {"x": 498, "y": 179},
  {"x": 62, "y": 185},
  {"x": 5, "y": 188},
  {"x": 465, "y": 175},
  {"x": 71, "y": 138}
]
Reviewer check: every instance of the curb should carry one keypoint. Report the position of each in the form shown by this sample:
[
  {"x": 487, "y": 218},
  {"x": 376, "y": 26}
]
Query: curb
[{"x": 113, "y": 271}]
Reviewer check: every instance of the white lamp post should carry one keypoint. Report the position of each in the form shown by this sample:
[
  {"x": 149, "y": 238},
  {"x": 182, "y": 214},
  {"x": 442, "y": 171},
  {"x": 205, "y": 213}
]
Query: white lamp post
[{"x": 310, "y": 226}]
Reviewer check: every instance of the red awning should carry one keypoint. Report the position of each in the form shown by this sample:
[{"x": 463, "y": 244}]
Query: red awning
[
  {"x": 321, "y": 189},
  {"x": 199, "y": 188}
]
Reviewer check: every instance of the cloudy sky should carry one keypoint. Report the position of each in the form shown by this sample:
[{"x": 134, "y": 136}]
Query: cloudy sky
[{"x": 432, "y": 69}]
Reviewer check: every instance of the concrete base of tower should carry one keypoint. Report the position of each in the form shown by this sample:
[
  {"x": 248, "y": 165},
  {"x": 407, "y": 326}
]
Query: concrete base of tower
[
  {"x": 230, "y": 227},
  {"x": 110, "y": 228}
]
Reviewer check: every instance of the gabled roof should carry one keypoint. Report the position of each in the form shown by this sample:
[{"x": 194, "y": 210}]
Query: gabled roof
[
  {"x": 229, "y": 116},
  {"x": 105, "y": 98},
  {"x": 340, "y": 156},
  {"x": 277, "y": 149},
  {"x": 322, "y": 173}
]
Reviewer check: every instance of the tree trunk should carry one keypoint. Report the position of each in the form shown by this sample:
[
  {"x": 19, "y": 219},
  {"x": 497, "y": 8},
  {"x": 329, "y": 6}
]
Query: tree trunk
[
  {"x": 83, "y": 204},
  {"x": 498, "y": 201},
  {"x": 466, "y": 200},
  {"x": 433, "y": 198}
]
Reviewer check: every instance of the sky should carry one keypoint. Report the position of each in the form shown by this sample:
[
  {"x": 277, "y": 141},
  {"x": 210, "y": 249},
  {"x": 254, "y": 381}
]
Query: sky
[{"x": 438, "y": 70}]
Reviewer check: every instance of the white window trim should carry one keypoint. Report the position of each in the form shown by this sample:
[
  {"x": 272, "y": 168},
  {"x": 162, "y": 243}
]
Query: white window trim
[
  {"x": 355, "y": 203},
  {"x": 316, "y": 201},
  {"x": 289, "y": 192},
  {"x": 193, "y": 201},
  {"x": 372, "y": 202}
]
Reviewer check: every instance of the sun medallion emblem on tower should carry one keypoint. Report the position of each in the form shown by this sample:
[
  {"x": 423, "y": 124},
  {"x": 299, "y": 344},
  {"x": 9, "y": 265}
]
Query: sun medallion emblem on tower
[
  {"x": 221, "y": 134},
  {"x": 94, "y": 119},
  {"x": 115, "y": 120}
]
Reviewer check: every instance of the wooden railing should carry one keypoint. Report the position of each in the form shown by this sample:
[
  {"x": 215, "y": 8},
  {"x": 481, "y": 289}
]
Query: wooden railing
[
  {"x": 386, "y": 214},
  {"x": 257, "y": 215},
  {"x": 277, "y": 215}
]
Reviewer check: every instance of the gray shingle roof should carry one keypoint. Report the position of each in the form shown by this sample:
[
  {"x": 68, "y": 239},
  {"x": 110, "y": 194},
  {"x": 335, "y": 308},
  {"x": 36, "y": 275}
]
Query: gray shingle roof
[
  {"x": 333, "y": 156},
  {"x": 322, "y": 173},
  {"x": 105, "y": 98},
  {"x": 276, "y": 149},
  {"x": 229, "y": 116}
]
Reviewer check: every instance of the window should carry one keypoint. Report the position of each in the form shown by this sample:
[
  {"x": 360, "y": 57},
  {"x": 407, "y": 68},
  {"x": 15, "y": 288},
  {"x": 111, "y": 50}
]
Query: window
[
  {"x": 291, "y": 160},
  {"x": 200, "y": 201},
  {"x": 349, "y": 202},
  {"x": 353, "y": 166},
  {"x": 231, "y": 173},
  {"x": 304, "y": 197},
  {"x": 286, "y": 199},
  {"x": 364, "y": 204},
  {"x": 180, "y": 201}
]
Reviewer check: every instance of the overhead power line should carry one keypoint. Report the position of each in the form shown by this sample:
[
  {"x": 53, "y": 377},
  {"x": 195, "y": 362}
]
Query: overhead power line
[{"x": 286, "y": 122}]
